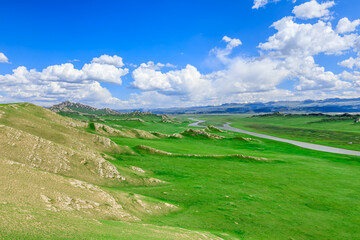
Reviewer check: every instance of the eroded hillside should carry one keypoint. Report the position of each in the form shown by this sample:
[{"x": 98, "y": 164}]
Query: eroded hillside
[{"x": 53, "y": 178}]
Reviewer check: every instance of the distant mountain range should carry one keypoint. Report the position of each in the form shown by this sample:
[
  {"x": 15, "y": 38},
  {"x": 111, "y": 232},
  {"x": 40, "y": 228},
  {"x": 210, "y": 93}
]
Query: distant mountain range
[{"x": 333, "y": 105}]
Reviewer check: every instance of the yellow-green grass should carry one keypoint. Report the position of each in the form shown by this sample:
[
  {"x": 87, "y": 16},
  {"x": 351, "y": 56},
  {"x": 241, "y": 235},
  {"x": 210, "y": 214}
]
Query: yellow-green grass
[{"x": 49, "y": 168}]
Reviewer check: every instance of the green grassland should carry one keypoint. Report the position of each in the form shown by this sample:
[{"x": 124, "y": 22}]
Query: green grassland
[
  {"x": 331, "y": 131},
  {"x": 284, "y": 192}
]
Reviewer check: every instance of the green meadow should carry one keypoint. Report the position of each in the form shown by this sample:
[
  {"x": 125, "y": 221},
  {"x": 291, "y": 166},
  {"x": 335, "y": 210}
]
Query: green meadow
[
  {"x": 209, "y": 184},
  {"x": 297, "y": 194}
]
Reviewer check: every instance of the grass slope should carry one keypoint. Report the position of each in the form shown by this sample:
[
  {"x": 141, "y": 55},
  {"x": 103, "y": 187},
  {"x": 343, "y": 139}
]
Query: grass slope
[{"x": 56, "y": 183}]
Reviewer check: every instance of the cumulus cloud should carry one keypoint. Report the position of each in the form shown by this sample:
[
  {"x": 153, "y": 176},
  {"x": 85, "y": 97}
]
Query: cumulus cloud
[
  {"x": 345, "y": 25},
  {"x": 110, "y": 60},
  {"x": 62, "y": 82},
  {"x": 351, "y": 62},
  {"x": 294, "y": 45},
  {"x": 187, "y": 82},
  {"x": 313, "y": 9},
  {"x": 232, "y": 42},
  {"x": 104, "y": 73},
  {"x": 307, "y": 39},
  {"x": 23, "y": 85},
  {"x": 353, "y": 77},
  {"x": 3, "y": 58},
  {"x": 89, "y": 72},
  {"x": 311, "y": 76},
  {"x": 248, "y": 75}
]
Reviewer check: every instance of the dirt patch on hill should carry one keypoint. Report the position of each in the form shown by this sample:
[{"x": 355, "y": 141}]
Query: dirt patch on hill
[
  {"x": 34, "y": 151},
  {"x": 201, "y": 133},
  {"x": 126, "y": 133},
  {"x": 212, "y": 128}
]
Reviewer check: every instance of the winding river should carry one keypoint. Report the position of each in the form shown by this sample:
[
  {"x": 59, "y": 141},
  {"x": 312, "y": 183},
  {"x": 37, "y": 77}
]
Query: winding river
[{"x": 312, "y": 146}]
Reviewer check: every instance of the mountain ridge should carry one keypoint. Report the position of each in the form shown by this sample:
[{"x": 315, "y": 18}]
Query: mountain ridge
[{"x": 331, "y": 105}]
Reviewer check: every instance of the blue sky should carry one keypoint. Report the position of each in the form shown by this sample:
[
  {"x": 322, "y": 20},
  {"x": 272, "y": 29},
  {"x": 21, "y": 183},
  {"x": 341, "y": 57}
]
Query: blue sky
[{"x": 191, "y": 61}]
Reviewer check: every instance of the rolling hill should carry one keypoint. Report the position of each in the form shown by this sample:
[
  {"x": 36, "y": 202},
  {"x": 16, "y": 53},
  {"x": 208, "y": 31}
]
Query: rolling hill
[{"x": 55, "y": 176}]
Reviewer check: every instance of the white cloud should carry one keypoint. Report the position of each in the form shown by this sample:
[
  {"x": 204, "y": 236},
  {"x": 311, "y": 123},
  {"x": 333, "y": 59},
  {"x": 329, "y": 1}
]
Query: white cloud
[
  {"x": 157, "y": 66},
  {"x": 89, "y": 72},
  {"x": 187, "y": 81},
  {"x": 222, "y": 53},
  {"x": 261, "y": 3},
  {"x": 351, "y": 62},
  {"x": 188, "y": 84},
  {"x": 110, "y": 60},
  {"x": 249, "y": 75},
  {"x": 307, "y": 39},
  {"x": 62, "y": 82},
  {"x": 311, "y": 76},
  {"x": 345, "y": 25},
  {"x": 232, "y": 42},
  {"x": 23, "y": 85},
  {"x": 354, "y": 77},
  {"x": 104, "y": 73},
  {"x": 313, "y": 9},
  {"x": 3, "y": 58},
  {"x": 64, "y": 72}
]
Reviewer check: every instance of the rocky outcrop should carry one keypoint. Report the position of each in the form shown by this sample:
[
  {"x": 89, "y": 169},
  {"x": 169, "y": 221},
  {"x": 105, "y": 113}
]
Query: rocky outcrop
[
  {"x": 201, "y": 133},
  {"x": 68, "y": 106},
  {"x": 212, "y": 128},
  {"x": 126, "y": 133},
  {"x": 162, "y": 135},
  {"x": 37, "y": 152},
  {"x": 250, "y": 140}
]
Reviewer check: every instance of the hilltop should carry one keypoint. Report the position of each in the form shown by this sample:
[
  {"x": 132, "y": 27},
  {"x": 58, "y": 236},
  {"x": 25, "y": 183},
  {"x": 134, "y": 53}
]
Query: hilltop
[{"x": 68, "y": 106}]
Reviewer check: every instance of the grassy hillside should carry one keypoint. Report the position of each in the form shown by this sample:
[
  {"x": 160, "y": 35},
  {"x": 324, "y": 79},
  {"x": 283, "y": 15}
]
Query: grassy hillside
[
  {"x": 175, "y": 183},
  {"x": 55, "y": 178}
]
